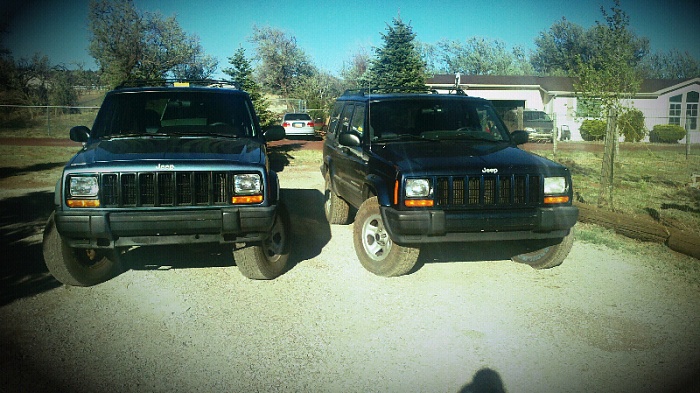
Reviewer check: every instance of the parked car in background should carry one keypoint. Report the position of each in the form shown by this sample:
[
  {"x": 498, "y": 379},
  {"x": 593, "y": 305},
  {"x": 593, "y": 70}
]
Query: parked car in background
[
  {"x": 537, "y": 123},
  {"x": 298, "y": 124}
]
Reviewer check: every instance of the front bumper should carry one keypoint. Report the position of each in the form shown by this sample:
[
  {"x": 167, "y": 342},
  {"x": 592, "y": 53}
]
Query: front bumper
[
  {"x": 100, "y": 229},
  {"x": 430, "y": 226}
]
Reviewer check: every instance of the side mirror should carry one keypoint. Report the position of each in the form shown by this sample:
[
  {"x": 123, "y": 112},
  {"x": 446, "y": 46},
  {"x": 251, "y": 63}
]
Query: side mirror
[
  {"x": 519, "y": 137},
  {"x": 274, "y": 133},
  {"x": 349, "y": 139},
  {"x": 79, "y": 134}
]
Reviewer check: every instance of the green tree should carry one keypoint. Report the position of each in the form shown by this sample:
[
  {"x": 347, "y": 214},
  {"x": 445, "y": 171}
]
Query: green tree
[
  {"x": 116, "y": 42},
  {"x": 282, "y": 62},
  {"x": 319, "y": 91},
  {"x": 354, "y": 72},
  {"x": 610, "y": 75},
  {"x": 241, "y": 73},
  {"x": 398, "y": 63},
  {"x": 62, "y": 91},
  {"x": 631, "y": 125},
  {"x": 129, "y": 45},
  {"x": 33, "y": 76},
  {"x": 566, "y": 45},
  {"x": 671, "y": 65},
  {"x": 557, "y": 50},
  {"x": 198, "y": 68},
  {"x": 479, "y": 56}
]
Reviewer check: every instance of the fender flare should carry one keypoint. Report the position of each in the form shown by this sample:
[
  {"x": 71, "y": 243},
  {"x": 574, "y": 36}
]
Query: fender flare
[
  {"x": 375, "y": 185},
  {"x": 274, "y": 192}
]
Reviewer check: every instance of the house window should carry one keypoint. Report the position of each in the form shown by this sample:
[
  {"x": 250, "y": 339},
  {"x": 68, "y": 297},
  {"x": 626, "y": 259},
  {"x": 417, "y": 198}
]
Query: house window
[
  {"x": 674, "y": 109},
  {"x": 691, "y": 111}
]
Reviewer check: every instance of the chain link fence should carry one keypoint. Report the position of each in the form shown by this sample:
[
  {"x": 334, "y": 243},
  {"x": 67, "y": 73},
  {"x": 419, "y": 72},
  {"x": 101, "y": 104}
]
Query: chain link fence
[{"x": 43, "y": 121}]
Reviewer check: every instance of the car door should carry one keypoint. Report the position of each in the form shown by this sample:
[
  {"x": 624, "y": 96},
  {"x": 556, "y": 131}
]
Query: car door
[
  {"x": 352, "y": 169},
  {"x": 334, "y": 152}
]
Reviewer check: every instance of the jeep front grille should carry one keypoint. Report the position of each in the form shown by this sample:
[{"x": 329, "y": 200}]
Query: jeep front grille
[
  {"x": 165, "y": 189},
  {"x": 487, "y": 190}
]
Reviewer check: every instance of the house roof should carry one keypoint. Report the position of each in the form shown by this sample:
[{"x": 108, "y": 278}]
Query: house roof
[{"x": 548, "y": 83}]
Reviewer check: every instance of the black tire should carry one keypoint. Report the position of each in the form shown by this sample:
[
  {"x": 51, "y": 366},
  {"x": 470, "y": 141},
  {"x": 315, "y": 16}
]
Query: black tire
[
  {"x": 336, "y": 209},
  {"x": 77, "y": 266},
  {"x": 268, "y": 259},
  {"x": 549, "y": 256},
  {"x": 375, "y": 249}
]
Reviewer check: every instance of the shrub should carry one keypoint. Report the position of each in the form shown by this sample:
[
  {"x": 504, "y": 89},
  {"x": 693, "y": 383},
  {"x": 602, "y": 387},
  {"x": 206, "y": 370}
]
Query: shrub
[
  {"x": 666, "y": 133},
  {"x": 631, "y": 125},
  {"x": 593, "y": 130}
]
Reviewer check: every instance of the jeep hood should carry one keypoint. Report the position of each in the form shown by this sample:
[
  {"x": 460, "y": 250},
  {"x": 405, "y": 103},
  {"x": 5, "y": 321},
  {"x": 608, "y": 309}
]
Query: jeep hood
[
  {"x": 455, "y": 156},
  {"x": 170, "y": 149}
]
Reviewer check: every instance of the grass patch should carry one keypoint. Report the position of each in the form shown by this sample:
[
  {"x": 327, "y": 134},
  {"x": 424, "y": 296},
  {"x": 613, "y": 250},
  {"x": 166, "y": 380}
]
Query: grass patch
[
  {"x": 51, "y": 122},
  {"x": 653, "y": 255},
  {"x": 282, "y": 156},
  {"x": 652, "y": 181},
  {"x": 32, "y": 166}
]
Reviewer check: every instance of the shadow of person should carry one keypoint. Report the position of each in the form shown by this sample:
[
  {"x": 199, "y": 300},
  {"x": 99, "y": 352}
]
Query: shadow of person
[{"x": 485, "y": 381}]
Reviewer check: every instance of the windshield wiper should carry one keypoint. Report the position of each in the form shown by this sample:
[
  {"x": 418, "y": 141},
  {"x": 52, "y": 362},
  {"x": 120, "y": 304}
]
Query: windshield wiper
[
  {"x": 132, "y": 135},
  {"x": 405, "y": 137},
  {"x": 471, "y": 136}
]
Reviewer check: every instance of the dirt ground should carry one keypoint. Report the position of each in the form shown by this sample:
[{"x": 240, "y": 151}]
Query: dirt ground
[{"x": 183, "y": 319}]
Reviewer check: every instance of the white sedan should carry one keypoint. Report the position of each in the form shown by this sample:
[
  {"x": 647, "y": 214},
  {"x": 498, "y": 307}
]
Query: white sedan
[{"x": 298, "y": 124}]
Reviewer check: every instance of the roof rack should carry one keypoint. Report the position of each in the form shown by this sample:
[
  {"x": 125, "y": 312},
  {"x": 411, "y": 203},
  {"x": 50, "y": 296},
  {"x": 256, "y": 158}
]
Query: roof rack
[
  {"x": 385, "y": 90},
  {"x": 166, "y": 82}
]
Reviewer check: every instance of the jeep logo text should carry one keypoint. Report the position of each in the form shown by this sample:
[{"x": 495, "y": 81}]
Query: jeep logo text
[
  {"x": 489, "y": 170},
  {"x": 167, "y": 167}
]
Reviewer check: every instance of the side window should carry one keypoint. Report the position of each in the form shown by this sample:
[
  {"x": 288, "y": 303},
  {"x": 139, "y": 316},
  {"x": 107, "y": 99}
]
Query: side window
[
  {"x": 335, "y": 117},
  {"x": 358, "y": 120},
  {"x": 344, "y": 121}
]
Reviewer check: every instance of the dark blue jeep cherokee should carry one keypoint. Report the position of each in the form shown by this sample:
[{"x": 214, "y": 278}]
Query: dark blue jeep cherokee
[
  {"x": 424, "y": 168},
  {"x": 174, "y": 164}
]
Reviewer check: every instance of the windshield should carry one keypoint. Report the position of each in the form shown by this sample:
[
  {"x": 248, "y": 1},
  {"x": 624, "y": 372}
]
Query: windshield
[
  {"x": 173, "y": 113},
  {"x": 435, "y": 119}
]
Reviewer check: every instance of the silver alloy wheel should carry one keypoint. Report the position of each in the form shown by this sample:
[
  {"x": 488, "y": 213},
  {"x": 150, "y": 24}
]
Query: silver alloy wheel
[{"x": 375, "y": 239}]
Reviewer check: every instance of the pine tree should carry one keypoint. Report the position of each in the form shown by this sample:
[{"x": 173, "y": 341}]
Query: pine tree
[
  {"x": 398, "y": 63},
  {"x": 241, "y": 73}
]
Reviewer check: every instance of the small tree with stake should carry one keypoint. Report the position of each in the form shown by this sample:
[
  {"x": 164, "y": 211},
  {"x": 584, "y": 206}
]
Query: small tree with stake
[{"x": 611, "y": 77}]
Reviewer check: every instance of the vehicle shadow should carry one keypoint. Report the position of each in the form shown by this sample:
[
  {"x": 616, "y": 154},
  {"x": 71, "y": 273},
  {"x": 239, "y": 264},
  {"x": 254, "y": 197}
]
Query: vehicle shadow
[
  {"x": 178, "y": 256},
  {"x": 484, "y": 381},
  {"x": 472, "y": 251},
  {"x": 310, "y": 232},
  {"x": 279, "y": 155},
  {"x": 6, "y": 172},
  {"x": 310, "y": 229},
  {"x": 22, "y": 270}
]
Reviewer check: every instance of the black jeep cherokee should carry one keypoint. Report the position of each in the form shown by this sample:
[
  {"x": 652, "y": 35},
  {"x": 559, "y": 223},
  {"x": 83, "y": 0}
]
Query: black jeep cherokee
[
  {"x": 171, "y": 164},
  {"x": 423, "y": 168}
]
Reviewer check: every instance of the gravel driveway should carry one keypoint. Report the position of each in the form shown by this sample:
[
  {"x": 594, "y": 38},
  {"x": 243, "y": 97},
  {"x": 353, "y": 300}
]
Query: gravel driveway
[{"x": 183, "y": 319}]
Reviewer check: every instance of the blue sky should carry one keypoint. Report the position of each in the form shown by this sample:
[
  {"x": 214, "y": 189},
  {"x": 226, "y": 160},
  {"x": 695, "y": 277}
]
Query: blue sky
[{"x": 330, "y": 31}]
